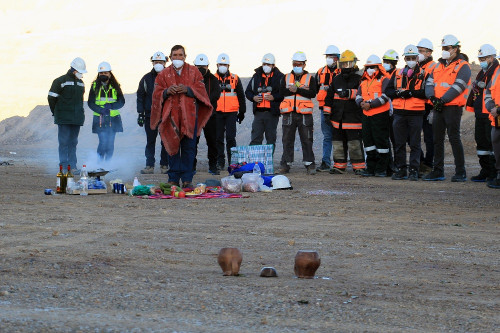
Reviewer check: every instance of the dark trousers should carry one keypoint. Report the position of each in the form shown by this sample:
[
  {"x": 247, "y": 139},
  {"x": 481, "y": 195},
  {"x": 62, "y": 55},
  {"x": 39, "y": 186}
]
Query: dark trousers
[
  {"x": 181, "y": 164},
  {"x": 376, "y": 132},
  {"x": 345, "y": 141},
  {"x": 210, "y": 136},
  {"x": 495, "y": 142},
  {"x": 67, "y": 136},
  {"x": 151, "y": 136},
  {"x": 392, "y": 145},
  {"x": 292, "y": 122},
  {"x": 482, "y": 134},
  {"x": 106, "y": 145},
  {"x": 225, "y": 126},
  {"x": 448, "y": 121},
  {"x": 264, "y": 123},
  {"x": 428, "y": 158},
  {"x": 407, "y": 128}
]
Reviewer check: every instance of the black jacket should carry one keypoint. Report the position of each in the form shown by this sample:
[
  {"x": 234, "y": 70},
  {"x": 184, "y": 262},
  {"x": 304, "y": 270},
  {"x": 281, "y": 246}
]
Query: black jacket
[
  {"x": 259, "y": 81},
  {"x": 344, "y": 110},
  {"x": 145, "y": 93},
  {"x": 213, "y": 89},
  {"x": 66, "y": 100}
]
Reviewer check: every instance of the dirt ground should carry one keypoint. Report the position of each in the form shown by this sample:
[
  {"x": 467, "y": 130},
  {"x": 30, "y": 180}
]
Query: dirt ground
[{"x": 395, "y": 256}]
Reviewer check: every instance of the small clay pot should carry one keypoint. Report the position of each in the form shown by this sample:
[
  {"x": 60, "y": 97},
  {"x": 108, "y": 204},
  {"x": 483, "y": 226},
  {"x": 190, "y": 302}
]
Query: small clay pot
[
  {"x": 268, "y": 272},
  {"x": 306, "y": 263},
  {"x": 229, "y": 260}
]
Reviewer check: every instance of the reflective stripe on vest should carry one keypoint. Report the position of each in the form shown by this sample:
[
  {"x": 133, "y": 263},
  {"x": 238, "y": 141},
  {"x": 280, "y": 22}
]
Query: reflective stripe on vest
[
  {"x": 444, "y": 79},
  {"x": 101, "y": 101},
  {"x": 325, "y": 77},
  {"x": 410, "y": 104},
  {"x": 228, "y": 101},
  {"x": 371, "y": 89},
  {"x": 296, "y": 102},
  {"x": 495, "y": 93}
]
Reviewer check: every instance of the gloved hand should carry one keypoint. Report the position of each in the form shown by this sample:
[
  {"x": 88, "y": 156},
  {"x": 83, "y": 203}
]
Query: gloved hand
[
  {"x": 437, "y": 103},
  {"x": 406, "y": 94},
  {"x": 140, "y": 119},
  {"x": 240, "y": 117},
  {"x": 106, "y": 110},
  {"x": 344, "y": 93}
]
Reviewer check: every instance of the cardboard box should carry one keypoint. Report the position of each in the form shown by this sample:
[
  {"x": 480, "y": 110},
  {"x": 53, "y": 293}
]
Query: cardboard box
[{"x": 90, "y": 191}]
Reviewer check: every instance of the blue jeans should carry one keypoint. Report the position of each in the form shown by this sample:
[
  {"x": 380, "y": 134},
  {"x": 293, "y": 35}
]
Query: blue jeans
[
  {"x": 67, "y": 136},
  {"x": 181, "y": 164},
  {"x": 327, "y": 130},
  {"x": 106, "y": 145}
]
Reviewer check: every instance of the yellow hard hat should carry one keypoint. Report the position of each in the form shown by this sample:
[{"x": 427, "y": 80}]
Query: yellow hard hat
[{"x": 347, "y": 55}]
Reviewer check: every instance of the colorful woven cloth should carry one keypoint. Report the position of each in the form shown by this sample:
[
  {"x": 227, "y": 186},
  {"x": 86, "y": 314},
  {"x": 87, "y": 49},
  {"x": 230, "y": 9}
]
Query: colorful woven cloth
[{"x": 220, "y": 195}]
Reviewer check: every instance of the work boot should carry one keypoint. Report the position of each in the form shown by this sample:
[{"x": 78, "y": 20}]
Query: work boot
[
  {"x": 187, "y": 185},
  {"x": 381, "y": 174},
  {"x": 366, "y": 173},
  {"x": 171, "y": 182},
  {"x": 480, "y": 178},
  {"x": 494, "y": 183},
  {"x": 400, "y": 174},
  {"x": 284, "y": 169},
  {"x": 424, "y": 169},
  {"x": 413, "y": 176},
  {"x": 311, "y": 169},
  {"x": 459, "y": 178},
  {"x": 435, "y": 175},
  {"x": 357, "y": 172},
  {"x": 214, "y": 171},
  {"x": 164, "y": 169},
  {"x": 323, "y": 167},
  {"x": 338, "y": 171},
  {"x": 148, "y": 170}
]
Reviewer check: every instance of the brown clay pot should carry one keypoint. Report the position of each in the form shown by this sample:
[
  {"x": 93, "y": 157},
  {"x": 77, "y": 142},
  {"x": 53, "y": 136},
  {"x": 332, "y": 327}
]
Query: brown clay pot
[
  {"x": 229, "y": 260},
  {"x": 268, "y": 272},
  {"x": 306, "y": 263}
]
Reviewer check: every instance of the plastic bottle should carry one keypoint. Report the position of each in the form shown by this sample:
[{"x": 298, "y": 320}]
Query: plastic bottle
[
  {"x": 136, "y": 182},
  {"x": 256, "y": 168},
  {"x": 84, "y": 179}
]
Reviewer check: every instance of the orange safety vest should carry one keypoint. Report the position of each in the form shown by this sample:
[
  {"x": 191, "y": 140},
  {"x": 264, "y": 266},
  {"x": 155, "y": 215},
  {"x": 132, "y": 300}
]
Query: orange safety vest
[
  {"x": 429, "y": 68},
  {"x": 265, "y": 103},
  {"x": 410, "y": 104},
  {"x": 371, "y": 88},
  {"x": 444, "y": 78},
  {"x": 297, "y": 102},
  {"x": 495, "y": 95},
  {"x": 228, "y": 101},
  {"x": 325, "y": 77}
]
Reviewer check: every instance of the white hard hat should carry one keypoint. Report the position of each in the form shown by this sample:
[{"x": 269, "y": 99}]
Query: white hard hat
[
  {"x": 450, "y": 40},
  {"x": 158, "y": 56},
  {"x": 79, "y": 65},
  {"x": 104, "y": 67},
  {"x": 486, "y": 50},
  {"x": 391, "y": 55},
  {"x": 268, "y": 58},
  {"x": 223, "y": 59},
  {"x": 424, "y": 42},
  {"x": 411, "y": 50},
  {"x": 201, "y": 60},
  {"x": 280, "y": 182},
  {"x": 332, "y": 49},
  {"x": 373, "y": 60},
  {"x": 299, "y": 56}
]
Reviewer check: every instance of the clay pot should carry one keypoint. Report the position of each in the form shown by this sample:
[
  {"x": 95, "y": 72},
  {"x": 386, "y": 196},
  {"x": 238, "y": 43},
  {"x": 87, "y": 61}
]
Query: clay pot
[
  {"x": 229, "y": 260},
  {"x": 268, "y": 272},
  {"x": 306, "y": 263}
]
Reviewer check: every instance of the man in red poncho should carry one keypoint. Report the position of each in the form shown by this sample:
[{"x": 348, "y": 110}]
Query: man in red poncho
[{"x": 180, "y": 110}]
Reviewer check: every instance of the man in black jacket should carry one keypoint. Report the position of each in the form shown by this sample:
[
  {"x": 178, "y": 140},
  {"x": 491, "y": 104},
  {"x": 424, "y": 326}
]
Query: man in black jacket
[
  {"x": 264, "y": 91},
  {"x": 144, "y": 98},
  {"x": 213, "y": 91}
]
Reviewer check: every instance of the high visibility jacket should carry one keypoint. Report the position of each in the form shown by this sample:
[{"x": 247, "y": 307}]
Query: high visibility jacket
[
  {"x": 104, "y": 96},
  {"x": 325, "y": 77},
  {"x": 371, "y": 88},
  {"x": 428, "y": 68},
  {"x": 495, "y": 96},
  {"x": 403, "y": 83},
  {"x": 228, "y": 101},
  {"x": 445, "y": 77},
  {"x": 265, "y": 103},
  {"x": 344, "y": 112},
  {"x": 297, "y": 102}
]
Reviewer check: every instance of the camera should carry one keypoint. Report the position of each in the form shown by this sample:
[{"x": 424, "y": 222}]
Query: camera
[{"x": 264, "y": 89}]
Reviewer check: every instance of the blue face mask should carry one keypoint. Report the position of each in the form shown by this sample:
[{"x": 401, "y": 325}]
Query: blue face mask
[
  {"x": 297, "y": 70},
  {"x": 483, "y": 64}
]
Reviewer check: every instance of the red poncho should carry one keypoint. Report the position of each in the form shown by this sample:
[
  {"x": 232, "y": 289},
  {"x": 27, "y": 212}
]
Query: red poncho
[{"x": 178, "y": 115}]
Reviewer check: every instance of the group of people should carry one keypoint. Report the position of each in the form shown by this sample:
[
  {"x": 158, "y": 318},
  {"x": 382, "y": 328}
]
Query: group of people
[{"x": 368, "y": 116}]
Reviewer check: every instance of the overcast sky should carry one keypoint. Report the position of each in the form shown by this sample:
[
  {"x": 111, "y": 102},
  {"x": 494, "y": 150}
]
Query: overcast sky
[{"x": 38, "y": 39}]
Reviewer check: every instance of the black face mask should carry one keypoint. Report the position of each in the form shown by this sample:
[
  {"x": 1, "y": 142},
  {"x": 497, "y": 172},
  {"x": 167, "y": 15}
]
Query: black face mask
[
  {"x": 103, "y": 78},
  {"x": 203, "y": 71}
]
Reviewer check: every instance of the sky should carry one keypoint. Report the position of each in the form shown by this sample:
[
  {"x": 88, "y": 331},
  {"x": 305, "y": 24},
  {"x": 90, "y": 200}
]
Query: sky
[{"x": 40, "y": 38}]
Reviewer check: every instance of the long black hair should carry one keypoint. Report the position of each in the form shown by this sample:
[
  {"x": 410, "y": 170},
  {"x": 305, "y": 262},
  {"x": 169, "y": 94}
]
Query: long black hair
[{"x": 112, "y": 81}]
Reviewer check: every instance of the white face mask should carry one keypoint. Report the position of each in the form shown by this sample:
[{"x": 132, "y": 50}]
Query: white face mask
[
  {"x": 267, "y": 69},
  {"x": 421, "y": 57},
  {"x": 223, "y": 69},
  {"x": 297, "y": 70},
  {"x": 178, "y": 63},
  {"x": 446, "y": 55},
  {"x": 158, "y": 67},
  {"x": 78, "y": 75},
  {"x": 387, "y": 67},
  {"x": 411, "y": 64},
  {"x": 329, "y": 62},
  {"x": 370, "y": 71}
]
